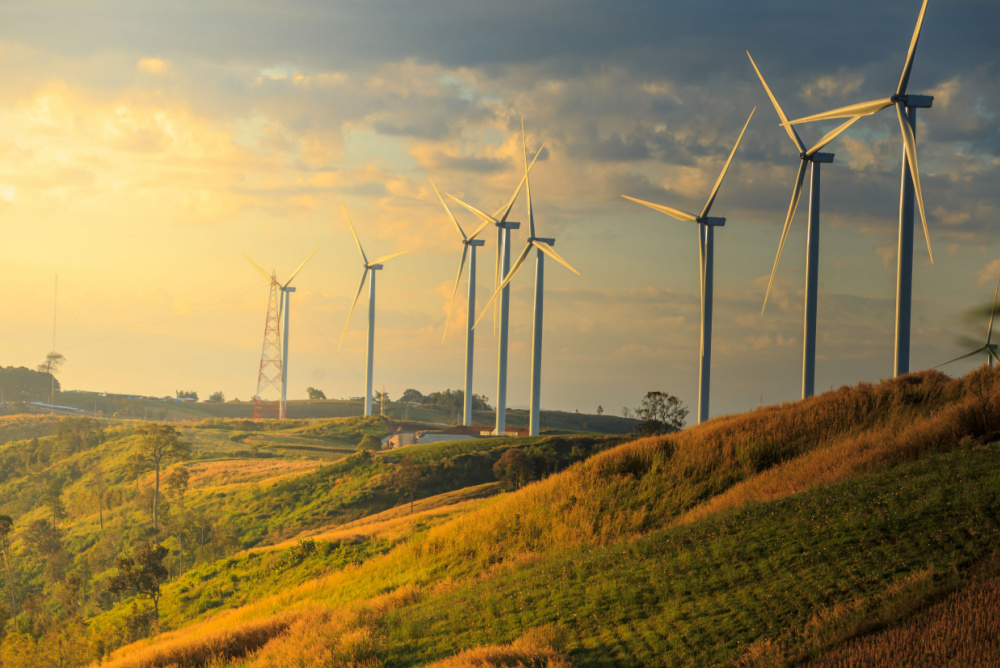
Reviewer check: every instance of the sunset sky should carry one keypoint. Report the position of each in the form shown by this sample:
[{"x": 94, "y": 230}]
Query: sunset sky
[{"x": 145, "y": 146}]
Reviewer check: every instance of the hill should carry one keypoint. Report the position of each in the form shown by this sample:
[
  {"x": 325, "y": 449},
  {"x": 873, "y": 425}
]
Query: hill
[{"x": 832, "y": 530}]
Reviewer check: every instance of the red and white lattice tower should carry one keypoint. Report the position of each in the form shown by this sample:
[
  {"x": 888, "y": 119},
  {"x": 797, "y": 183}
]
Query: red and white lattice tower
[{"x": 267, "y": 401}]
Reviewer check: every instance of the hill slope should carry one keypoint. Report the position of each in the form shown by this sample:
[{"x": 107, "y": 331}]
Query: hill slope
[{"x": 782, "y": 535}]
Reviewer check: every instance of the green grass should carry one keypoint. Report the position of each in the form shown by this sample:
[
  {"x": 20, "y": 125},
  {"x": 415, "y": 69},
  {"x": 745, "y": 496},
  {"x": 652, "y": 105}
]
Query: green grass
[{"x": 700, "y": 594}]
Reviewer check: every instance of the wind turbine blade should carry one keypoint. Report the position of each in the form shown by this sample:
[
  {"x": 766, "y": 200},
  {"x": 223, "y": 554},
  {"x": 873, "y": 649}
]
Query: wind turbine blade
[
  {"x": 527, "y": 183},
  {"x": 458, "y": 279},
  {"x": 830, "y": 136},
  {"x": 777, "y": 107},
  {"x": 725, "y": 167},
  {"x": 962, "y": 357},
  {"x": 989, "y": 331},
  {"x": 859, "y": 109},
  {"x": 796, "y": 194},
  {"x": 485, "y": 217},
  {"x": 478, "y": 230},
  {"x": 674, "y": 213},
  {"x": 450, "y": 214},
  {"x": 548, "y": 250},
  {"x": 360, "y": 249},
  {"x": 299, "y": 268},
  {"x": 270, "y": 279},
  {"x": 503, "y": 284},
  {"x": 905, "y": 78},
  {"x": 505, "y": 210},
  {"x": 910, "y": 143},
  {"x": 355, "y": 303},
  {"x": 386, "y": 258}
]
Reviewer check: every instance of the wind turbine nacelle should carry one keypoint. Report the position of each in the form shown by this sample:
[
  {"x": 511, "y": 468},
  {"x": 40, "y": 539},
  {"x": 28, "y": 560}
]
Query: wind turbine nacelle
[
  {"x": 288, "y": 289},
  {"x": 715, "y": 221},
  {"x": 476, "y": 242},
  {"x": 509, "y": 225},
  {"x": 551, "y": 242},
  {"x": 373, "y": 267},
  {"x": 917, "y": 101}
]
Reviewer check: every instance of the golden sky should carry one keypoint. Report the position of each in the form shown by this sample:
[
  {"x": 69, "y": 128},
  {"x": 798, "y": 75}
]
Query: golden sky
[{"x": 142, "y": 150}]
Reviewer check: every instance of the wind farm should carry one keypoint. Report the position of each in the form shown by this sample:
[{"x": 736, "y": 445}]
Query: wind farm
[{"x": 528, "y": 472}]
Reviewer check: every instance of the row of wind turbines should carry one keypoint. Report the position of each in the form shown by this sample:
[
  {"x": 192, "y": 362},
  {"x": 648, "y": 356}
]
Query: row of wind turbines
[{"x": 812, "y": 158}]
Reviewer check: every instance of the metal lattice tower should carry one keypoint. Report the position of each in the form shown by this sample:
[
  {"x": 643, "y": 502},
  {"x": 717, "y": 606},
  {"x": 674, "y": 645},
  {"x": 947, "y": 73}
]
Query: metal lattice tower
[{"x": 267, "y": 401}]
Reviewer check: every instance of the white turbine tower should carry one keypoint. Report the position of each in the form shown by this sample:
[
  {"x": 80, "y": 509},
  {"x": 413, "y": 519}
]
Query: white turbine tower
[
  {"x": 503, "y": 266},
  {"x": 543, "y": 247},
  {"x": 989, "y": 347},
  {"x": 906, "y": 106},
  {"x": 283, "y": 309},
  {"x": 368, "y": 267},
  {"x": 469, "y": 243},
  {"x": 706, "y": 236},
  {"x": 813, "y": 158}
]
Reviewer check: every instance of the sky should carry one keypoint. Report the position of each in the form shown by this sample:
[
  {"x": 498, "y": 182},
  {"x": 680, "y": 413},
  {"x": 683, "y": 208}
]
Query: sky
[{"x": 144, "y": 147}]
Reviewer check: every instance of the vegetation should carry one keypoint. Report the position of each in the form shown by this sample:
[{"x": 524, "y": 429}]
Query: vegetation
[{"x": 856, "y": 526}]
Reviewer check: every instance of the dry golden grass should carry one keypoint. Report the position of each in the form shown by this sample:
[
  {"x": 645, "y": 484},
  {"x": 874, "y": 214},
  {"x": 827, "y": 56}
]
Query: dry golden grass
[
  {"x": 534, "y": 649},
  {"x": 398, "y": 523},
  {"x": 962, "y": 630},
  {"x": 241, "y": 471},
  {"x": 199, "y": 647},
  {"x": 346, "y": 636}
]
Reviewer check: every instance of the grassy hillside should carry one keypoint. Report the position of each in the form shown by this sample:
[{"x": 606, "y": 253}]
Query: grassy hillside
[{"x": 822, "y": 530}]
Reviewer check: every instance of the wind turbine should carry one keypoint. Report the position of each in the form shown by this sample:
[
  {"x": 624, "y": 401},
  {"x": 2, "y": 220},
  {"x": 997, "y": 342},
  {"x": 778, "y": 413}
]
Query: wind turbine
[
  {"x": 503, "y": 267},
  {"x": 284, "y": 307},
  {"x": 468, "y": 243},
  {"x": 368, "y": 267},
  {"x": 813, "y": 158},
  {"x": 706, "y": 235},
  {"x": 989, "y": 347},
  {"x": 543, "y": 247},
  {"x": 906, "y": 106}
]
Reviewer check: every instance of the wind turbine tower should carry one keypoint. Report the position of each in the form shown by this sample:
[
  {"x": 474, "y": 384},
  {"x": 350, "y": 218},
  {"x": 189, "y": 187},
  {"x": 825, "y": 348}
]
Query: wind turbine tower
[
  {"x": 906, "y": 111},
  {"x": 469, "y": 246},
  {"x": 706, "y": 252},
  {"x": 813, "y": 158},
  {"x": 543, "y": 247},
  {"x": 369, "y": 267},
  {"x": 273, "y": 337},
  {"x": 503, "y": 267}
]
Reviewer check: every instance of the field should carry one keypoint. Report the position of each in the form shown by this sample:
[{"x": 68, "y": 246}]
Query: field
[{"x": 853, "y": 528}]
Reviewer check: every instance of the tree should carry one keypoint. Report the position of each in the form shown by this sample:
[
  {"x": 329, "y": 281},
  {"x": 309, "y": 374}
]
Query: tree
[
  {"x": 43, "y": 539},
  {"x": 412, "y": 396},
  {"x": 661, "y": 413},
  {"x": 52, "y": 499},
  {"x": 217, "y": 397},
  {"x": 186, "y": 394},
  {"x": 142, "y": 573},
  {"x": 514, "y": 468},
  {"x": 159, "y": 444},
  {"x": 370, "y": 442},
  {"x": 177, "y": 482},
  {"x": 600, "y": 410},
  {"x": 6, "y": 526},
  {"x": 408, "y": 476},
  {"x": 315, "y": 394},
  {"x": 381, "y": 396},
  {"x": 99, "y": 487},
  {"x": 50, "y": 366}
]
